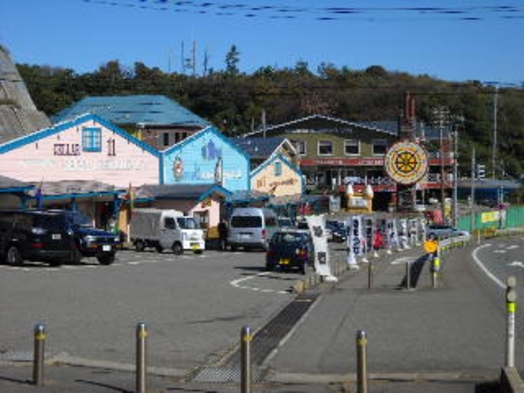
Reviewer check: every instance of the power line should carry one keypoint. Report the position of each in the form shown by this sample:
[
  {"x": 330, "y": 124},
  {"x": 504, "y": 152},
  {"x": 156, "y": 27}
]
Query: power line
[{"x": 333, "y": 12}]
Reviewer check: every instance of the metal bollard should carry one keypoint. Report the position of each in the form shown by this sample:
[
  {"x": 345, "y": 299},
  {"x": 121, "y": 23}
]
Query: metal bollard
[
  {"x": 370, "y": 274},
  {"x": 435, "y": 269},
  {"x": 245, "y": 353},
  {"x": 362, "y": 372},
  {"x": 511, "y": 302},
  {"x": 39, "y": 354},
  {"x": 141, "y": 358}
]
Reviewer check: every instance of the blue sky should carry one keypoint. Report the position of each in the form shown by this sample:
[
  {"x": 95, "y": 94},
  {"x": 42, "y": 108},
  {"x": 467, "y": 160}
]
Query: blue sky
[{"x": 455, "y": 40}]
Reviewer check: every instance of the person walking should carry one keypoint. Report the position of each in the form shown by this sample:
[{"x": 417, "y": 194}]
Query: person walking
[{"x": 222, "y": 234}]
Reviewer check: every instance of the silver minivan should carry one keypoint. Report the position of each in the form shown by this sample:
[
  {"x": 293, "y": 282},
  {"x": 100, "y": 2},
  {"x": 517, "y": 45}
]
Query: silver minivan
[{"x": 251, "y": 227}]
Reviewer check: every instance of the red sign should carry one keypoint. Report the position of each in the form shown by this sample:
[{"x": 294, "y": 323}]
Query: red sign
[{"x": 379, "y": 161}]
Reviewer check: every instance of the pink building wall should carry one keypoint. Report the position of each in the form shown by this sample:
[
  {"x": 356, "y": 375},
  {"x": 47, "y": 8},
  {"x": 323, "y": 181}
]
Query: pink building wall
[{"x": 57, "y": 154}]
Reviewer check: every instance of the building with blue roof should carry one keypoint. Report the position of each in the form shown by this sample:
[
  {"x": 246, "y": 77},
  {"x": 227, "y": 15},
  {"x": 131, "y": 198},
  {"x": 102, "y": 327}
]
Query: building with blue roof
[{"x": 155, "y": 119}]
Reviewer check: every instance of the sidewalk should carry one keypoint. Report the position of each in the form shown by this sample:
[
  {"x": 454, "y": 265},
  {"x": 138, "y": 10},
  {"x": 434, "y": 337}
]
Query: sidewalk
[{"x": 420, "y": 340}]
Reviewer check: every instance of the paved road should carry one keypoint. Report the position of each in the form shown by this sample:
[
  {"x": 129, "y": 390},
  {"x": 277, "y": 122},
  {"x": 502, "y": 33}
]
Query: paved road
[{"x": 432, "y": 340}]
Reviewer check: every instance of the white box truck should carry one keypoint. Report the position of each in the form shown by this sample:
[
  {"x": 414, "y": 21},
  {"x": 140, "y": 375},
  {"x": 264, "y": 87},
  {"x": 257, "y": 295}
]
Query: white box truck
[{"x": 165, "y": 229}]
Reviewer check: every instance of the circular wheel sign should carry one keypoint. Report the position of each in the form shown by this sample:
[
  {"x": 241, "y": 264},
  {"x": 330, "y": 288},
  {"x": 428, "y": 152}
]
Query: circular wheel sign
[{"x": 406, "y": 162}]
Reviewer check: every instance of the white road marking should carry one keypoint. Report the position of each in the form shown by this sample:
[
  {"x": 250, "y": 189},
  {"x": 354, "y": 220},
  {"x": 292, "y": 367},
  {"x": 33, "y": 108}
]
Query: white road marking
[
  {"x": 499, "y": 251},
  {"x": 512, "y": 247},
  {"x": 516, "y": 264},
  {"x": 484, "y": 269},
  {"x": 237, "y": 284}
]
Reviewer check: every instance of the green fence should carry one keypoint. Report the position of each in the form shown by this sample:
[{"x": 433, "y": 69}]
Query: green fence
[{"x": 490, "y": 221}]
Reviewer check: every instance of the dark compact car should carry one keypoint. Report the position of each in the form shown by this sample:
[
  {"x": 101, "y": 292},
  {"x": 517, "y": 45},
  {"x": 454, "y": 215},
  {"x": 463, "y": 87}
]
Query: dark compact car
[
  {"x": 338, "y": 231},
  {"x": 52, "y": 236},
  {"x": 290, "y": 249}
]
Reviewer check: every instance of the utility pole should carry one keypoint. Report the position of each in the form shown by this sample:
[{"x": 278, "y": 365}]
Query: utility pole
[
  {"x": 494, "y": 153},
  {"x": 441, "y": 115},
  {"x": 472, "y": 206},
  {"x": 455, "y": 179}
]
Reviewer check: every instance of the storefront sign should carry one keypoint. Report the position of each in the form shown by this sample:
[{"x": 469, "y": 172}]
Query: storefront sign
[
  {"x": 379, "y": 161},
  {"x": 406, "y": 162}
]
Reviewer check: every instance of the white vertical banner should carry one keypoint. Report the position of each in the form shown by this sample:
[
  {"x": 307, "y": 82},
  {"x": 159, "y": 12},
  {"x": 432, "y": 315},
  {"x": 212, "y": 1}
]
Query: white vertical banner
[
  {"x": 423, "y": 223},
  {"x": 413, "y": 232},
  {"x": 403, "y": 233},
  {"x": 354, "y": 240},
  {"x": 317, "y": 226},
  {"x": 391, "y": 234}
]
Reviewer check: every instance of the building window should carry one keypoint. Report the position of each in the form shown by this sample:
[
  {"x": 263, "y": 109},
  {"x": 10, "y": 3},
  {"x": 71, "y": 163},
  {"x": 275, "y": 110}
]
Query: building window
[
  {"x": 278, "y": 169},
  {"x": 352, "y": 147},
  {"x": 380, "y": 147},
  {"x": 325, "y": 148},
  {"x": 92, "y": 139},
  {"x": 165, "y": 139},
  {"x": 300, "y": 147}
]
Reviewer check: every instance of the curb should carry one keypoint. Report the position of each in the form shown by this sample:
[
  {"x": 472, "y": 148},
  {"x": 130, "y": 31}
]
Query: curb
[{"x": 510, "y": 381}]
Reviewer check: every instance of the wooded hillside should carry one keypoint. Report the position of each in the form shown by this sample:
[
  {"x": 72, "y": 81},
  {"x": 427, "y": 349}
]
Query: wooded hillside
[{"x": 237, "y": 102}]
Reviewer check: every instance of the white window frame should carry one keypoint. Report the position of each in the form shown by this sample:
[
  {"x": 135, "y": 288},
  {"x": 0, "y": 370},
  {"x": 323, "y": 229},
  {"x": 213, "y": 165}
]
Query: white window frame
[
  {"x": 300, "y": 146},
  {"x": 347, "y": 142},
  {"x": 385, "y": 144},
  {"x": 325, "y": 142},
  {"x": 319, "y": 143}
]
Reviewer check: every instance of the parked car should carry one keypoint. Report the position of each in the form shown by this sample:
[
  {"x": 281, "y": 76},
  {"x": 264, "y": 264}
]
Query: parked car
[
  {"x": 290, "y": 249},
  {"x": 251, "y": 227},
  {"x": 166, "y": 229},
  {"x": 52, "y": 236},
  {"x": 338, "y": 231},
  {"x": 285, "y": 222},
  {"x": 443, "y": 231},
  {"x": 90, "y": 241}
]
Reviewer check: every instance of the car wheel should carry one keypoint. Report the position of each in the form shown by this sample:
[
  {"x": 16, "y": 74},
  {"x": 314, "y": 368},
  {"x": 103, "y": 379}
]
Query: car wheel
[
  {"x": 14, "y": 256},
  {"x": 106, "y": 259},
  {"x": 302, "y": 269},
  {"x": 75, "y": 259},
  {"x": 177, "y": 248},
  {"x": 55, "y": 263},
  {"x": 270, "y": 267},
  {"x": 159, "y": 248},
  {"x": 233, "y": 247},
  {"x": 139, "y": 245}
]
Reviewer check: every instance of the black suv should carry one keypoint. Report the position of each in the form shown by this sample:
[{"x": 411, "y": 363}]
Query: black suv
[
  {"x": 90, "y": 241},
  {"x": 53, "y": 236}
]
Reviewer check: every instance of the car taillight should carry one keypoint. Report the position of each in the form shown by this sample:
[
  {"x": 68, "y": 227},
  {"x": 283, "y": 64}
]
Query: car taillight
[
  {"x": 301, "y": 253},
  {"x": 37, "y": 245},
  {"x": 264, "y": 233}
]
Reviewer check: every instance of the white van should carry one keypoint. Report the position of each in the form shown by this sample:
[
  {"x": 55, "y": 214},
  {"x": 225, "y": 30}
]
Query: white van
[
  {"x": 251, "y": 227},
  {"x": 165, "y": 229}
]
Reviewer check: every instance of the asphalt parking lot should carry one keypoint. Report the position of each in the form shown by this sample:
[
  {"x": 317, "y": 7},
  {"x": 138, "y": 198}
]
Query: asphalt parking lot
[{"x": 194, "y": 306}]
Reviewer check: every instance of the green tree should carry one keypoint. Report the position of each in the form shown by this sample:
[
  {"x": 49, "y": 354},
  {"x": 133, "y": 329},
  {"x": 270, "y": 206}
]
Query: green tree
[{"x": 232, "y": 60}]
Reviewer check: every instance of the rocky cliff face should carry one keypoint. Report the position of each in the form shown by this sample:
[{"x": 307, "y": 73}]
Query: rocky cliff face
[{"x": 18, "y": 113}]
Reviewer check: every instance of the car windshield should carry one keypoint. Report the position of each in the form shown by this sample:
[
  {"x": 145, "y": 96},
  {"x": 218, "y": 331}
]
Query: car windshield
[
  {"x": 246, "y": 222},
  {"x": 187, "y": 223},
  {"x": 49, "y": 221},
  {"x": 288, "y": 237},
  {"x": 78, "y": 219},
  {"x": 285, "y": 222}
]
